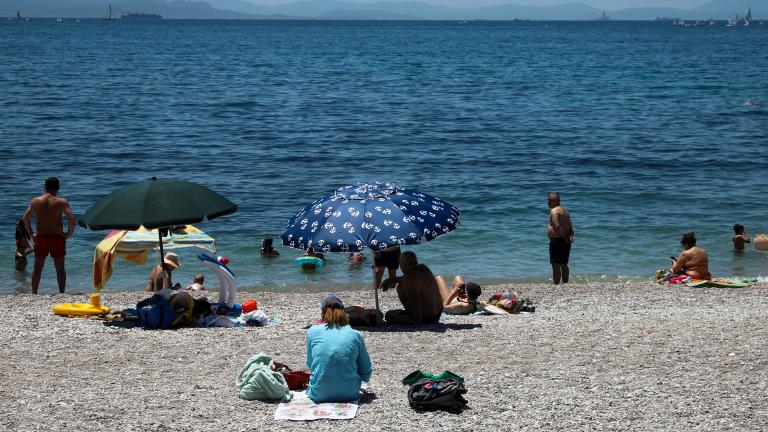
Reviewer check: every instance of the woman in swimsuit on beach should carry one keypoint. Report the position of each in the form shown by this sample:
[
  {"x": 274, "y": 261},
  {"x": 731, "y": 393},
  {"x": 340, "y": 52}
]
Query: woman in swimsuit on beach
[
  {"x": 462, "y": 299},
  {"x": 693, "y": 261}
]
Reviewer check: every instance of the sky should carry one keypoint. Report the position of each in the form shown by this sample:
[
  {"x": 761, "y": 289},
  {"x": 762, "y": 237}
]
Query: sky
[{"x": 600, "y": 4}]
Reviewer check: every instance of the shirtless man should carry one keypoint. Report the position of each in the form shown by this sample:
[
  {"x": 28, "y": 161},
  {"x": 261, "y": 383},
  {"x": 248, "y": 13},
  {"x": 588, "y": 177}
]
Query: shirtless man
[
  {"x": 418, "y": 292},
  {"x": 50, "y": 238},
  {"x": 693, "y": 261},
  {"x": 560, "y": 233}
]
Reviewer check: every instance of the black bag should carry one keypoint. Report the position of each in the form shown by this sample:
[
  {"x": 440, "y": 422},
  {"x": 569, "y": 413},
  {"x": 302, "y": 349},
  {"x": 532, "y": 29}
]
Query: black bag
[{"x": 429, "y": 394}]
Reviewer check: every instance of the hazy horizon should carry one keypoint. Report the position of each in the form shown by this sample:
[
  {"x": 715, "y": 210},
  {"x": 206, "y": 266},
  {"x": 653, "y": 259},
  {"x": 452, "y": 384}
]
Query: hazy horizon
[{"x": 599, "y": 4}]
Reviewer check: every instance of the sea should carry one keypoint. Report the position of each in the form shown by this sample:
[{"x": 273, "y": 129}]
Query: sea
[{"x": 647, "y": 130}]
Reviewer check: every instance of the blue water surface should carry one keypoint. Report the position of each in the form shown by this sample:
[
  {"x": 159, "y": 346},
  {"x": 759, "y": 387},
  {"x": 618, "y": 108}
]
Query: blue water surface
[{"x": 642, "y": 127}]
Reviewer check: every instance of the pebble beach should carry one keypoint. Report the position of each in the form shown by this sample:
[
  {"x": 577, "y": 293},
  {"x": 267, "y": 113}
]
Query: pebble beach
[{"x": 603, "y": 356}]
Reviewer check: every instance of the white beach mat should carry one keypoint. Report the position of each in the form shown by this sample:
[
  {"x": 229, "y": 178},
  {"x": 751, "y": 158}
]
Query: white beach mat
[{"x": 301, "y": 408}]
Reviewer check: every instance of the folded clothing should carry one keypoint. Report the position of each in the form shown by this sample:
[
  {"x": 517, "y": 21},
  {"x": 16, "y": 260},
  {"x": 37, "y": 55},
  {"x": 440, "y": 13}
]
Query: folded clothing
[{"x": 417, "y": 375}]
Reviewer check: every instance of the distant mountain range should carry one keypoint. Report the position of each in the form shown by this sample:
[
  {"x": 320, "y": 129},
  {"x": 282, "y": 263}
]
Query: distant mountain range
[{"x": 383, "y": 10}]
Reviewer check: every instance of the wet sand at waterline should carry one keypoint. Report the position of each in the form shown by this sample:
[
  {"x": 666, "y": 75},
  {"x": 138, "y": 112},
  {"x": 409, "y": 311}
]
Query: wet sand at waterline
[{"x": 633, "y": 356}]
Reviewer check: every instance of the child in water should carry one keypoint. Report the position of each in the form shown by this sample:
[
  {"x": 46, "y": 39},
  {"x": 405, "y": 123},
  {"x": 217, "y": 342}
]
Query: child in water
[
  {"x": 740, "y": 236},
  {"x": 23, "y": 245},
  {"x": 198, "y": 283}
]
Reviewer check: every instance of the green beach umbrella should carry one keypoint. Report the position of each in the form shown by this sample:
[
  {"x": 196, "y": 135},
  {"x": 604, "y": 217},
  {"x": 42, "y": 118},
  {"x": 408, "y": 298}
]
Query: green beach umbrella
[{"x": 156, "y": 203}]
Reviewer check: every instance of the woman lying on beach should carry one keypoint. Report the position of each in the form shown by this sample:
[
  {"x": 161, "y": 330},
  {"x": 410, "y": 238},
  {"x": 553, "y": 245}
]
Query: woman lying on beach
[
  {"x": 336, "y": 356},
  {"x": 693, "y": 261},
  {"x": 462, "y": 299}
]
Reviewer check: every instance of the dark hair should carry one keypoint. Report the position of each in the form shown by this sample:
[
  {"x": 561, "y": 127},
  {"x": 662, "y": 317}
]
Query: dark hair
[
  {"x": 21, "y": 230},
  {"x": 738, "y": 228},
  {"x": 202, "y": 307},
  {"x": 688, "y": 239},
  {"x": 199, "y": 278},
  {"x": 51, "y": 184}
]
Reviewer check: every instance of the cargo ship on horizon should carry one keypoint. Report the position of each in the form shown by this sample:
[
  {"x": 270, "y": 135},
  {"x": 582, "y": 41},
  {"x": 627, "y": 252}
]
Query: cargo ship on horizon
[{"x": 141, "y": 16}]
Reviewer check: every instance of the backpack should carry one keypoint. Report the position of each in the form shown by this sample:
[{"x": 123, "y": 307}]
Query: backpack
[
  {"x": 429, "y": 394},
  {"x": 155, "y": 313}
]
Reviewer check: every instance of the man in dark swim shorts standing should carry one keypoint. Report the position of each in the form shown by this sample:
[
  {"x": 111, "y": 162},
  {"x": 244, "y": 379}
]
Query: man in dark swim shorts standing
[
  {"x": 389, "y": 258},
  {"x": 50, "y": 238},
  {"x": 560, "y": 233}
]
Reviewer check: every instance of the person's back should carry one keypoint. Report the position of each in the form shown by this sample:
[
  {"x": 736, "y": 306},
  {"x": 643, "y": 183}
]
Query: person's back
[
  {"x": 50, "y": 238},
  {"x": 336, "y": 356},
  {"x": 423, "y": 299},
  {"x": 48, "y": 210},
  {"x": 696, "y": 263}
]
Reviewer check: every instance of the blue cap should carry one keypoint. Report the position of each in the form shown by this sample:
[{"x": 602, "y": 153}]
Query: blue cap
[{"x": 331, "y": 299}]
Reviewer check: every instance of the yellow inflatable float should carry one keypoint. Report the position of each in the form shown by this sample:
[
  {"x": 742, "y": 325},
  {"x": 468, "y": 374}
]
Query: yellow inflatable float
[
  {"x": 761, "y": 242},
  {"x": 81, "y": 309}
]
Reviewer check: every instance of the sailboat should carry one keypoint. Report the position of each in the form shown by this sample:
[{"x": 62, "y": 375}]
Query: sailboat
[
  {"x": 18, "y": 14},
  {"x": 748, "y": 17},
  {"x": 109, "y": 16}
]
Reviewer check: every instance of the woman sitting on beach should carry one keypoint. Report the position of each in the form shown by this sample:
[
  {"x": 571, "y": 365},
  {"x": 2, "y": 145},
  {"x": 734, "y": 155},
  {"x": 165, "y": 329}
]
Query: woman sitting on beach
[
  {"x": 462, "y": 299},
  {"x": 693, "y": 261},
  {"x": 336, "y": 356},
  {"x": 160, "y": 277}
]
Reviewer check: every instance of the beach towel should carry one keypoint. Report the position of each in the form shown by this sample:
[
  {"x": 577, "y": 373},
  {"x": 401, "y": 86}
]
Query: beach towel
[
  {"x": 302, "y": 408},
  {"x": 257, "y": 380},
  {"x": 719, "y": 283}
]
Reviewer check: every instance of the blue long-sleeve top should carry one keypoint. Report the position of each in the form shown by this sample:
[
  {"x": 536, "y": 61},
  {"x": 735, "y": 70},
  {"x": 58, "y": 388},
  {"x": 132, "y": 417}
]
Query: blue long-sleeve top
[{"x": 338, "y": 363}]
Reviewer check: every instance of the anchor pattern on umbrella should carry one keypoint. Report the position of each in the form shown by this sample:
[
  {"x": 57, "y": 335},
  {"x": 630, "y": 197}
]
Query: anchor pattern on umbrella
[{"x": 376, "y": 216}]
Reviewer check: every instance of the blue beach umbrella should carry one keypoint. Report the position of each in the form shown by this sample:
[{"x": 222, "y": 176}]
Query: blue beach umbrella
[{"x": 375, "y": 216}]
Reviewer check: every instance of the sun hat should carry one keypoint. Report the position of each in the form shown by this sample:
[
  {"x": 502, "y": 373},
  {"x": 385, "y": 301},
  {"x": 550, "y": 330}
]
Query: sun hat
[
  {"x": 331, "y": 299},
  {"x": 172, "y": 260}
]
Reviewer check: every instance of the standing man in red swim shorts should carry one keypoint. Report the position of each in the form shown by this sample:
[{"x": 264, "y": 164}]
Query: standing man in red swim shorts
[{"x": 50, "y": 238}]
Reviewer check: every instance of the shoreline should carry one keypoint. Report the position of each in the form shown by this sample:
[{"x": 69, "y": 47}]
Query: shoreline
[{"x": 633, "y": 356}]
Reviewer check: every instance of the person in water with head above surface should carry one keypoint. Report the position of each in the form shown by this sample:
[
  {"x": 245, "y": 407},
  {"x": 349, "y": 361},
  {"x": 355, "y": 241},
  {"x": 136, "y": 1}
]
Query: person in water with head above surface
[
  {"x": 740, "y": 236},
  {"x": 50, "y": 238},
  {"x": 693, "y": 261},
  {"x": 560, "y": 233},
  {"x": 266, "y": 248}
]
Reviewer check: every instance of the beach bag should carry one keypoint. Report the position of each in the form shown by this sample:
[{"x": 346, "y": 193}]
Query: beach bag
[
  {"x": 296, "y": 380},
  {"x": 155, "y": 313},
  {"x": 429, "y": 394}
]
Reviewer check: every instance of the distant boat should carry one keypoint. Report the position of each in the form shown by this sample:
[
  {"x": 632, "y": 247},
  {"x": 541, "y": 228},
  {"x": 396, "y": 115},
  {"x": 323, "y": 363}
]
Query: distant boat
[
  {"x": 732, "y": 22},
  {"x": 141, "y": 16},
  {"x": 711, "y": 22},
  {"x": 109, "y": 16},
  {"x": 18, "y": 14},
  {"x": 604, "y": 17},
  {"x": 748, "y": 17},
  {"x": 58, "y": 19}
]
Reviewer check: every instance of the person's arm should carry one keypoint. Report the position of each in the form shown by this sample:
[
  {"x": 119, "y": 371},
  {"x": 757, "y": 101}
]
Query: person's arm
[
  {"x": 309, "y": 351},
  {"x": 454, "y": 293},
  {"x": 678, "y": 267},
  {"x": 26, "y": 219},
  {"x": 571, "y": 234},
  {"x": 70, "y": 220},
  {"x": 364, "y": 367},
  {"x": 390, "y": 282},
  {"x": 745, "y": 236}
]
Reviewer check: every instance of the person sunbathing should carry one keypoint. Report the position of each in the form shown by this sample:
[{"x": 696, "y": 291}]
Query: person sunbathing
[
  {"x": 160, "y": 277},
  {"x": 693, "y": 261},
  {"x": 418, "y": 292},
  {"x": 336, "y": 356},
  {"x": 462, "y": 298}
]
